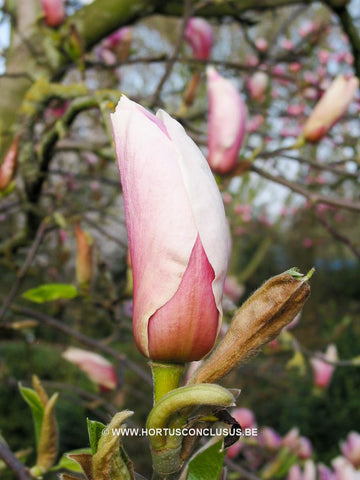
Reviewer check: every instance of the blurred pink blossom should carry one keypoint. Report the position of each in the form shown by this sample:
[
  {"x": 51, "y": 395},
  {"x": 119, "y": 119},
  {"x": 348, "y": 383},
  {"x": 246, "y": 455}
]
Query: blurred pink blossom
[
  {"x": 199, "y": 35},
  {"x": 295, "y": 67},
  {"x": 96, "y": 367},
  {"x": 295, "y": 109},
  {"x": 287, "y": 44},
  {"x": 330, "y": 108},
  {"x": 257, "y": 85},
  {"x": 255, "y": 123},
  {"x": 323, "y": 371},
  {"x": 261, "y": 44},
  {"x": 344, "y": 469},
  {"x": 226, "y": 123},
  {"x": 233, "y": 289},
  {"x": 54, "y": 12},
  {"x": 269, "y": 438},
  {"x": 351, "y": 448}
]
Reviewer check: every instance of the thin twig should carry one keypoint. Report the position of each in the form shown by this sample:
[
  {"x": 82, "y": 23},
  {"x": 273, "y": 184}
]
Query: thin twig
[
  {"x": 90, "y": 342},
  {"x": 174, "y": 56},
  {"x": 339, "y": 236},
  {"x": 43, "y": 228},
  {"x": 20, "y": 471},
  {"x": 314, "y": 198}
]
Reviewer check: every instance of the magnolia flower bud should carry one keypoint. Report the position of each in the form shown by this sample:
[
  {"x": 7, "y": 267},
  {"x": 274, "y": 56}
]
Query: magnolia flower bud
[
  {"x": 96, "y": 367},
  {"x": 323, "y": 371},
  {"x": 226, "y": 123},
  {"x": 54, "y": 11},
  {"x": 257, "y": 85},
  {"x": 178, "y": 237},
  {"x": 269, "y": 439},
  {"x": 200, "y": 36},
  {"x": 9, "y": 164},
  {"x": 330, "y": 108},
  {"x": 351, "y": 448},
  {"x": 84, "y": 257},
  {"x": 259, "y": 320}
]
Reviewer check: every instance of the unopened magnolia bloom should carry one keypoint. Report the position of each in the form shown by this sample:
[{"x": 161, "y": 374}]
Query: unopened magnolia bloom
[
  {"x": 330, "y": 108},
  {"x": 351, "y": 448},
  {"x": 200, "y": 37},
  {"x": 246, "y": 419},
  {"x": 226, "y": 123},
  {"x": 96, "y": 367},
  {"x": 54, "y": 12},
  {"x": 344, "y": 470},
  {"x": 323, "y": 371},
  {"x": 84, "y": 257},
  {"x": 9, "y": 164},
  {"x": 308, "y": 472},
  {"x": 233, "y": 289},
  {"x": 177, "y": 231},
  {"x": 116, "y": 47},
  {"x": 257, "y": 85},
  {"x": 269, "y": 438}
]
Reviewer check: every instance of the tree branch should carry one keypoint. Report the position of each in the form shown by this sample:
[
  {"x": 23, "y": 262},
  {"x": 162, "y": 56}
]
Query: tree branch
[{"x": 20, "y": 471}]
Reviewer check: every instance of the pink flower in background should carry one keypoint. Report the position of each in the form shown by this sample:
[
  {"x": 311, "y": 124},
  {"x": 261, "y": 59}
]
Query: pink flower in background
[
  {"x": 261, "y": 44},
  {"x": 233, "y": 289},
  {"x": 257, "y": 85},
  {"x": 305, "y": 448},
  {"x": 323, "y": 371},
  {"x": 178, "y": 235},
  {"x": 54, "y": 12},
  {"x": 226, "y": 123},
  {"x": 343, "y": 469},
  {"x": 295, "y": 109},
  {"x": 330, "y": 108},
  {"x": 308, "y": 242},
  {"x": 269, "y": 438},
  {"x": 255, "y": 123},
  {"x": 308, "y": 472},
  {"x": 96, "y": 367},
  {"x": 295, "y": 67},
  {"x": 351, "y": 448},
  {"x": 200, "y": 37},
  {"x": 325, "y": 473},
  {"x": 116, "y": 47},
  {"x": 246, "y": 419},
  {"x": 9, "y": 165},
  {"x": 287, "y": 44}
]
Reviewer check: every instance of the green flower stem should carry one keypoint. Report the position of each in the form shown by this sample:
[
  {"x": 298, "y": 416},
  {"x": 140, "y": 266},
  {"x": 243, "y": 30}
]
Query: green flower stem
[
  {"x": 166, "y": 377},
  {"x": 166, "y": 449}
]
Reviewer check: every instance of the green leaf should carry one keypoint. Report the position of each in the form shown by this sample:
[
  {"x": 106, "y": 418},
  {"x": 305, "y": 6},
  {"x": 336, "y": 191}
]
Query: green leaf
[
  {"x": 50, "y": 292},
  {"x": 208, "y": 464},
  {"x": 95, "y": 430},
  {"x": 68, "y": 464},
  {"x": 37, "y": 408}
]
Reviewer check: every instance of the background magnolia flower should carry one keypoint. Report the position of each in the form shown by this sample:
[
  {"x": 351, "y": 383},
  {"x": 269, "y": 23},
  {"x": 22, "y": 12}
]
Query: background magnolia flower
[
  {"x": 9, "y": 164},
  {"x": 226, "y": 123},
  {"x": 257, "y": 85},
  {"x": 54, "y": 12},
  {"x": 199, "y": 35},
  {"x": 178, "y": 237},
  {"x": 323, "y": 371},
  {"x": 330, "y": 108},
  {"x": 96, "y": 367},
  {"x": 351, "y": 448}
]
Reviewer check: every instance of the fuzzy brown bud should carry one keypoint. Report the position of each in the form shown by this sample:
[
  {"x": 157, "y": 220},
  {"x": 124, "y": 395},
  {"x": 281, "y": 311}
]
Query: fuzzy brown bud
[
  {"x": 259, "y": 320},
  {"x": 84, "y": 257}
]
